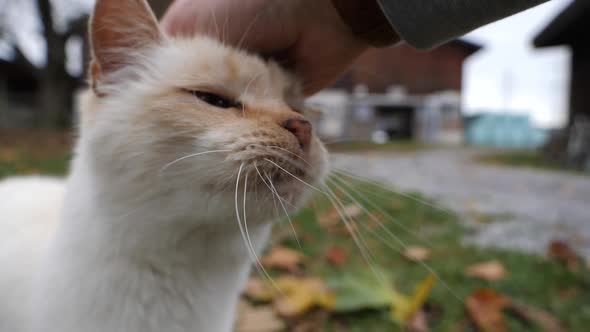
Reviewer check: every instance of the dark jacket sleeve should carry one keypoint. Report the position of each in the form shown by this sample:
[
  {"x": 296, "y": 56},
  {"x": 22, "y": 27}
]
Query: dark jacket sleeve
[{"x": 428, "y": 23}]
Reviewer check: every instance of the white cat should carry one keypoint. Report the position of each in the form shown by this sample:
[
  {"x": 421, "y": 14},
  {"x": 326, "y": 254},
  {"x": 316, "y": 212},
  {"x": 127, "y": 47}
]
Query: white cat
[{"x": 179, "y": 141}]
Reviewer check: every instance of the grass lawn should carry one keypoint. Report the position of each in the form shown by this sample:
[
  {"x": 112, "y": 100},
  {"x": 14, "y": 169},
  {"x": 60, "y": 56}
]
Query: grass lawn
[
  {"x": 531, "y": 280},
  {"x": 33, "y": 152},
  {"x": 529, "y": 159}
]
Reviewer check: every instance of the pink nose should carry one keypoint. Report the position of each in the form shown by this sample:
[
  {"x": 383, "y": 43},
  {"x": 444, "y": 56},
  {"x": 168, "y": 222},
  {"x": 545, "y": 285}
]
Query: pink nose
[{"x": 301, "y": 128}]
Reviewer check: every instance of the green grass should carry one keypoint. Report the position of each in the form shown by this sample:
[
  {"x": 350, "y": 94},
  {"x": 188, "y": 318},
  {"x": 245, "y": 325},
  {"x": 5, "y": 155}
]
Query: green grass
[
  {"x": 22, "y": 163},
  {"x": 25, "y": 152},
  {"x": 532, "y": 280},
  {"x": 527, "y": 159}
]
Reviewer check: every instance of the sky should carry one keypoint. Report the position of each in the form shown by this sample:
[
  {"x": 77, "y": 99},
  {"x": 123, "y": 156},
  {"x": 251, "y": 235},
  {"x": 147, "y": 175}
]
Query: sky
[{"x": 509, "y": 75}]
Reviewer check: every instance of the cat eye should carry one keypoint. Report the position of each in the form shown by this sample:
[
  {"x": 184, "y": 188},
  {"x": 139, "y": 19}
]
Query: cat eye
[{"x": 216, "y": 100}]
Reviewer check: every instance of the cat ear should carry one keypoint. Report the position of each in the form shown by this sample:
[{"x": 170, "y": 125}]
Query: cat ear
[{"x": 119, "y": 29}]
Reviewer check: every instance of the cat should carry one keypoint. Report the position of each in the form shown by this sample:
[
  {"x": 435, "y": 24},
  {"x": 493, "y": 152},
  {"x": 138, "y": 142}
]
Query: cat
[{"x": 183, "y": 145}]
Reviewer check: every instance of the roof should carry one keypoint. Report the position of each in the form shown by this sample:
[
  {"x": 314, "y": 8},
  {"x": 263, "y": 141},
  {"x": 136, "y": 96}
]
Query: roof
[
  {"x": 568, "y": 28},
  {"x": 469, "y": 46}
]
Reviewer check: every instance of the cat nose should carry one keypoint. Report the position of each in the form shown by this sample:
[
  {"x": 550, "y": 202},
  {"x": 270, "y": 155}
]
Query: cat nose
[{"x": 301, "y": 129}]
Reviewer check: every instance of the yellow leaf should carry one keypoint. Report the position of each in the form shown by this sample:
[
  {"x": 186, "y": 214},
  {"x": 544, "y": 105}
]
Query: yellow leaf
[
  {"x": 299, "y": 295},
  {"x": 404, "y": 307},
  {"x": 257, "y": 290}
]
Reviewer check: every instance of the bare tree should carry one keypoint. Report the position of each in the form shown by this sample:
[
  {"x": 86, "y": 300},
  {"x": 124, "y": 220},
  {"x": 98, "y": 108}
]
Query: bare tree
[{"x": 56, "y": 85}]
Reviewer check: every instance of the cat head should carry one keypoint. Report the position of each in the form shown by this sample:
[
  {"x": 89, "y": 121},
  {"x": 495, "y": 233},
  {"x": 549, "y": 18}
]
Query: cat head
[{"x": 193, "y": 115}]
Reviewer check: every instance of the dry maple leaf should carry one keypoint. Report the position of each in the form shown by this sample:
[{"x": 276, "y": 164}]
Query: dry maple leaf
[
  {"x": 485, "y": 308},
  {"x": 545, "y": 320},
  {"x": 489, "y": 271},
  {"x": 417, "y": 254},
  {"x": 564, "y": 254},
  {"x": 257, "y": 319},
  {"x": 336, "y": 256},
  {"x": 283, "y": 259}
]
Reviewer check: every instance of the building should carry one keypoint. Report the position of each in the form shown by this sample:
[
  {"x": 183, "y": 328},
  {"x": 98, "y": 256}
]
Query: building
[
  {"x": 398, "y": 92},
  {"x": 570, "y": 28},
  {"x": 419, "y": 72}
]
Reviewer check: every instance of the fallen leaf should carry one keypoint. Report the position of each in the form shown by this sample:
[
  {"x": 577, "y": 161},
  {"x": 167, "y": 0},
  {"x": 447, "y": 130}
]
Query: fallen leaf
[
  {"x": 489, "y": 271},
  {"x": 485, "y": 308},
  {"x": 418, "y": 322},
  {"x": 283, "y": 259},
  {"x": 352, "y": 211},
  {"x": 404, "y": 307},
  {"x": 417, "y": 254},
  {"x": 313, "y": 322},
  {"x": 329, "y": 219},
  {"x": 337, "y": 256},
  {"x": 364, "y": 290},
  {"x": 334, "y": 216},
  {"x": 564, "y": 254},
  {"x": 359, "y": 290},
  {"x": 543, "y": 319},
  {"x": 299, "y": 295},
  {"x": 257, "y": 319},
  {"x": 257, "y": 290}
]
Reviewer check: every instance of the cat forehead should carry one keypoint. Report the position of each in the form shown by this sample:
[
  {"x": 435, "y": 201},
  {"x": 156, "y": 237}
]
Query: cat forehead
[{"x": 205, "y": 63}]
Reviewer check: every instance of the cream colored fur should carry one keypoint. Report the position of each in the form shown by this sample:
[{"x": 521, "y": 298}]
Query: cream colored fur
[{"x": 141, "y": 244}]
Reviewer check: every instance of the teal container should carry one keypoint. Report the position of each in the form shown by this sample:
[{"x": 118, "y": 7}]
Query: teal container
[{"x": 504, "y": 131}]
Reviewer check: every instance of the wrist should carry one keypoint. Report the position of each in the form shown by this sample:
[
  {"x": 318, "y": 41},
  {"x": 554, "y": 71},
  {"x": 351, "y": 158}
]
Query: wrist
[{"x": 366, "y": 21}]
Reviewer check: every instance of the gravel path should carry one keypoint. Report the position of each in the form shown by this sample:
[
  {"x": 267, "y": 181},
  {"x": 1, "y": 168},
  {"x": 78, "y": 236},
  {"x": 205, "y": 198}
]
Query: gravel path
[{"x": 541, "y": 206}]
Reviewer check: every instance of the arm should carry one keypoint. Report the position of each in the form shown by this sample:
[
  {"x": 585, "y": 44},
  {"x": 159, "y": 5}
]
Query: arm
[
  {"x": 427, "y": 23},
  {"x": 424, "y": 23}
]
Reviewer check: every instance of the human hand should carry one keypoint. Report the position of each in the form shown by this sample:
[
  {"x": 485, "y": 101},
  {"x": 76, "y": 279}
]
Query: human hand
[{"x": 308, "y": 37}]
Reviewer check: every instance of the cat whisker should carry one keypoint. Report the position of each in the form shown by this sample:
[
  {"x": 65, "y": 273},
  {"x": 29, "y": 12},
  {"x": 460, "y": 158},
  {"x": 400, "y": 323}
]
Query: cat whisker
[
  {"x": 361, "y": 244},
  {"x": 276, "y": 192},
  {"x": 291, "y": 153},
  {"x": 350, "y": 187},
  {"x": 271, "y": 150},
  {"x": 384, "y": 187},
  {"x": 352, "y": 230},
  {"x": 424, "y": 265},
  {"x": 295, "y": 177},
  {"x": 191, "y": 156},
  {"x": 214, "y": 21},
  {"x": 391, "y": 236},
  {"x": 274, "y": 201},
  {"x": 244, "y": 230},
  {"x": 248, "y": 28}
]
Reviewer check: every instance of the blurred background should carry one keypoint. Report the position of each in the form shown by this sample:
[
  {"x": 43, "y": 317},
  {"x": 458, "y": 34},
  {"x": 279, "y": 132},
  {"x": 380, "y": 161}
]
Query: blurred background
[{"x": 485, "y": 141}]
